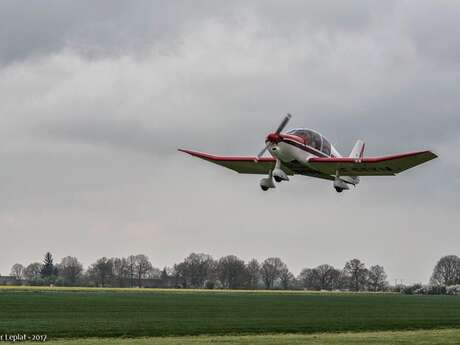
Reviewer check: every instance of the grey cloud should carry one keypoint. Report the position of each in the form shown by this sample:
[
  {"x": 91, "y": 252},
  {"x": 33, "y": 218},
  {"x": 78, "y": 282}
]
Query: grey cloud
[
  {"x": 434, "y": 30},
  {"x": 104, "y": 28},
  {"x": 93, "y": 28}
]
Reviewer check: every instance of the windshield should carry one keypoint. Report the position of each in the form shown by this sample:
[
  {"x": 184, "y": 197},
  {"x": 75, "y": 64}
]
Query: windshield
[
  {"x": 313, "y": 139},
  {"x": 310, "y": 137}
]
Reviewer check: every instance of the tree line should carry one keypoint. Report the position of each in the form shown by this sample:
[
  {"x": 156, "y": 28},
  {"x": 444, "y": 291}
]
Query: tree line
[
  {"x": 199, "y": 270},
  {"x": 445, "y": 279}
]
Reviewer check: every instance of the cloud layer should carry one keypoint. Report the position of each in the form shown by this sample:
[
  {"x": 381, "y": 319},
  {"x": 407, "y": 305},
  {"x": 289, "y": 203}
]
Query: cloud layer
[{"x": 96, "y": 98}]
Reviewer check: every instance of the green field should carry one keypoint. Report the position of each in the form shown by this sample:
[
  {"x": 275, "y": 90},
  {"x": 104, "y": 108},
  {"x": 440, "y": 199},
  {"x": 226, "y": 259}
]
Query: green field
[
  {"x": 432, "y": 337},
  {"x": 83, "y": 313}
]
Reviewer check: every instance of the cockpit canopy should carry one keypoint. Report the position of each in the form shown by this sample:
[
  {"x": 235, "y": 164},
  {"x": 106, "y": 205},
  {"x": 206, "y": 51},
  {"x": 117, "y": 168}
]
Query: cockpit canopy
[{"x": 313, "y": 139}]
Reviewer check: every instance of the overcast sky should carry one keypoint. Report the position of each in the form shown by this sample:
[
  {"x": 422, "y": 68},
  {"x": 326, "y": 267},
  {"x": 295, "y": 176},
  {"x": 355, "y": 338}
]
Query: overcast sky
[{"x": 95, "y": 98}]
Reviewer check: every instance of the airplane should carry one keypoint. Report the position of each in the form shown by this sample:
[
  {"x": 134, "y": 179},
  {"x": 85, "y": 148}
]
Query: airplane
[{"x": 302, "y": 151}]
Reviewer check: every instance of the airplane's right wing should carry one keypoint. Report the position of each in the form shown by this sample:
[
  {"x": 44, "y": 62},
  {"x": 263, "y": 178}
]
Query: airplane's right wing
[{"x": 242, "y": 165}]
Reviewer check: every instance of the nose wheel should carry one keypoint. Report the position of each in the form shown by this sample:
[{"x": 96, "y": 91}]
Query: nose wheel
[
  {"x": 267, "y": 182},
  {"x": 276, "y": 175}
]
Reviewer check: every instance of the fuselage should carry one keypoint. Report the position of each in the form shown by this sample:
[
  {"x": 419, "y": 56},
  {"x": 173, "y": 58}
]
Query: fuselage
[{"x": 299, "y": 145}]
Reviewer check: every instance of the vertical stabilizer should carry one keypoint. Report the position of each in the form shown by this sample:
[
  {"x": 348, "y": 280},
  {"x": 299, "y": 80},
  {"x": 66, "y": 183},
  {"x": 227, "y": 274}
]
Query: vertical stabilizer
[
  {"x": 358, "y": 150},
  {"x": 357, "y": 153}
]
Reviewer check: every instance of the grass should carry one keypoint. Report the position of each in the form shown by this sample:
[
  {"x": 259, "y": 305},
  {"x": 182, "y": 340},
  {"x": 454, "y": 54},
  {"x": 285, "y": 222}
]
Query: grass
[
  {"x": 432, "y": 337},
  {"x": 86, "y": 313}
]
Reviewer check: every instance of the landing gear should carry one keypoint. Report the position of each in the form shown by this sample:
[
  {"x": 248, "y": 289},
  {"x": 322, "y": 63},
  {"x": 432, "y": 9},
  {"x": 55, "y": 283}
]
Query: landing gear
[
  {"x": 267, "y": 182},
  {"x": 278, "y": 174},
  {"x": 339, "y": 184}
]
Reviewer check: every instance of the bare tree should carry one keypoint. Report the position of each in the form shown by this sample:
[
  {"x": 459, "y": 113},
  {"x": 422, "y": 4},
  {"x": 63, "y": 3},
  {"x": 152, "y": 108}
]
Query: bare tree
[
  {"x": 131, "y": 266},
  {"x": 231, "y": 271},
  {"x": 358, "y": 274},
  {"x": 271, "y": 271},
  {"x": 101, "y": 272},
  {"x": 196, "y": 269},
  {"x": 17, "y": 271},
  {"x": 377, "y": 278},
  {"x": 286, "y": 278},
  {"x": 120, "y": 271},
  {"x": 180, "y": 274},
  {"x": 309, "y": 279},
  {"x": 323, "y": 277},
  {"x": 142, "y": 268},
  {"x": 211, "y": 276},
  {"x": 327, "y": 277},
  {"x": 253, "y": 273},
  {"x": 344, "y": 280},
  {"x": 335, "y": 279},
  {"x": 447, "y": 271},
  {"x": 70, "y": 269},
  {"x": 33, "y": 271}
]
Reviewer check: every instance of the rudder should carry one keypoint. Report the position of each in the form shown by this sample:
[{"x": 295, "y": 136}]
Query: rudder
[{"x": 358, "y": 150}]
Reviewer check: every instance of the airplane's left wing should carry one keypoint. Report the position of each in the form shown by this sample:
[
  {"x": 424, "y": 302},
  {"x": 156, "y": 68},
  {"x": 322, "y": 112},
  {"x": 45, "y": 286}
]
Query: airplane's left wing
[
  {"x": 372, "y": 166},
  {"x": 242, "y": 165}
]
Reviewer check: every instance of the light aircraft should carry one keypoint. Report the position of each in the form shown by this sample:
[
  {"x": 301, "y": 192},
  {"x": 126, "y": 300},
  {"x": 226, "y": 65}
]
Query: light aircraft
[{"x": 302, "y": 151}]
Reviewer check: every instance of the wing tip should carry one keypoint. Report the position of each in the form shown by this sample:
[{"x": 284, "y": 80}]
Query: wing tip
[
  {"x": 427, "y": 155},
  {"x": 184, "y": 150},
  {"x": 432, "y": 154},
  {"x": 198, "y": 154}
]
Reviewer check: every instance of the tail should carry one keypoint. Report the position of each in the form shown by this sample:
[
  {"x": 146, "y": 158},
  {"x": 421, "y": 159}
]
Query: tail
[
  {"x": 358, "y": 150},
  {"x": 357, "y": 153}
]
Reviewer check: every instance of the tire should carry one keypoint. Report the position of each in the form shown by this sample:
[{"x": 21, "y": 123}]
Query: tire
[
  {"x": 277, "y": 179},
  {"x": 264, "y": 188},
  {"x": 338, "y": 189}
]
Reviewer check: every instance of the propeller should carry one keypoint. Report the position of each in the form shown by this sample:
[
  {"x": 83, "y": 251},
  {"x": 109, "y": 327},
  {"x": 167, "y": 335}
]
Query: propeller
[
  {"x": 261, "y": 153},
  {"x": 283, "y": 124}
]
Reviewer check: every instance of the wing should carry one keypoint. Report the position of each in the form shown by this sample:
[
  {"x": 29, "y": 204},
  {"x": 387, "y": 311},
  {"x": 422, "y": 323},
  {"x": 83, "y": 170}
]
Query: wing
[
  {"x": 242, "y": 165},
  {"x": 375, "y": 166}
]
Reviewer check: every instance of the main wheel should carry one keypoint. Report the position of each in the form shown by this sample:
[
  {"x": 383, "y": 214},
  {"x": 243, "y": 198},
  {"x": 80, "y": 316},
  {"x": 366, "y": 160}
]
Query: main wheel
[
  {"x": 278, "y": 179},
  {"x": 264, "y": 188},
  {"x": 338, "y": 189}
]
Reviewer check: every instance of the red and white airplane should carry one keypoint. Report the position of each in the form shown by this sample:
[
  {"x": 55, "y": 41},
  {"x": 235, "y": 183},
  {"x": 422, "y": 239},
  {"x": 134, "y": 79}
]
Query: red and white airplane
[{"x": 305, "y": 152}]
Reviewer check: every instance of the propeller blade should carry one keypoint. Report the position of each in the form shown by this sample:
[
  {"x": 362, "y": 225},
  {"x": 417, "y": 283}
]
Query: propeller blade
[
  {"x": 283, "y": 123},
  {"x": 280, "y": 128},
  {"x": 261, "y": 153}
]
